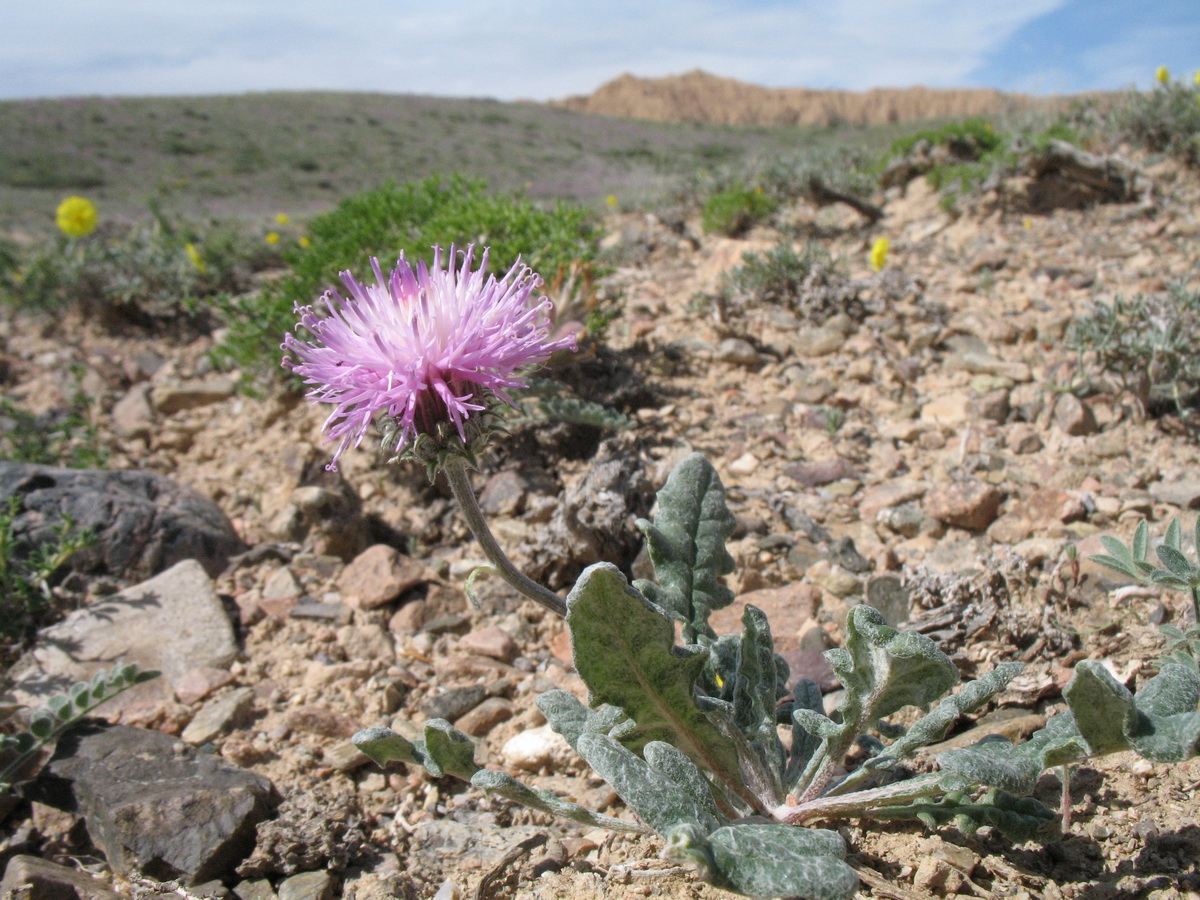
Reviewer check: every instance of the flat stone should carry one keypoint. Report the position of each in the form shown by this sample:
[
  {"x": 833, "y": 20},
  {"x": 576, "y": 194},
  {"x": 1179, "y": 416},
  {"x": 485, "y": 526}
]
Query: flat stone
[
  {"x": 371, "y": 642},
  {"x": 307, "y": 886},
  {"x": 820, "y": 473},
  {"x": 951, "y": 408},
  {"x": 219, "y": 715},
  {"x": 787, "y": 608},
  {"x": 174, "y": 623},
  {"x": 34, "y": 878},
  {"x": 196, "y": 684},
  {"x": 255, "y": 889},
  {"x": 281, "y": 586},
  {"x": 484, "y": 717},
  {"x": 379, "y": 575},
  {"x": 175, "y": 396},
  {"x": 815, "y": 342},
  {"x": 1184, "y": 494},
  {"x": 880, "y": 496},
  {"x": 490, "y": 641},
  {"x": 970, "y": 504},
  {"x": 154, "y": 805},
  {"x": 454, "y": 702}
]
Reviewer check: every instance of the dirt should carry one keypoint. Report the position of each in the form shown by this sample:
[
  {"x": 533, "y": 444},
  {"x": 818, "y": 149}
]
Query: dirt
[{"x": 807, "y": 437}]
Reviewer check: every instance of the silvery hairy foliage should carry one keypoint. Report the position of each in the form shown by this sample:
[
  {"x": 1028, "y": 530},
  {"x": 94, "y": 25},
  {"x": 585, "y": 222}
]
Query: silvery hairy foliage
[{"x": 715, "y": 748}]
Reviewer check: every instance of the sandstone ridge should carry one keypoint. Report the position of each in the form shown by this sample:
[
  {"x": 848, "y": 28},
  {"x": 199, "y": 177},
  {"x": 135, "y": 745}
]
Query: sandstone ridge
[{"x": 699, "y": 96}]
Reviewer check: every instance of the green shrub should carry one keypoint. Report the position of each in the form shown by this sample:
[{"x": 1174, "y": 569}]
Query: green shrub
[
  {"x": 1163, "y": 120},
  {"x": 409, "y": 218},
  {"x": 968, "y": 139},
  {"x": 735, "y": 210},
  {"x": 809, "y": 283},
  {"x": 1147, "y": 343}
]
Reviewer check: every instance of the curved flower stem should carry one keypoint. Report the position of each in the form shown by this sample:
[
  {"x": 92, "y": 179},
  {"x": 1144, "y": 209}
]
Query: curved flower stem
[{"x": 460, "y": 486}]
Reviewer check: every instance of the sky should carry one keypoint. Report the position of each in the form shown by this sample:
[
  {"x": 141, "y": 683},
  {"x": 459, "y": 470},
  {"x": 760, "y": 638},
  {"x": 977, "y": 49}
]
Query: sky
[{"x": 548, "y": 49}]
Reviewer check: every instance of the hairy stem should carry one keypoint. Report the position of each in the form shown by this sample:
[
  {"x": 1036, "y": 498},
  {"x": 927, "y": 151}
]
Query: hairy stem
[
  {"x": 860, "y": 803},
  {"x": 460, "y": 486}
]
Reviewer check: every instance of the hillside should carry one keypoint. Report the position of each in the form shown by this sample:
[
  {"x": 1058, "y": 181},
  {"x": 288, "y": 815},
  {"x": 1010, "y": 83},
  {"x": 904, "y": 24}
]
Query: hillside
[{"x": 700, "y": 97}]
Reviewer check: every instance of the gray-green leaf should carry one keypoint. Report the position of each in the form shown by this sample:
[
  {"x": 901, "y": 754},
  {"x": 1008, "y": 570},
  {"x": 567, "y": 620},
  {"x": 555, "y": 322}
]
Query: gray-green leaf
[{"x": 686, "y": 544}]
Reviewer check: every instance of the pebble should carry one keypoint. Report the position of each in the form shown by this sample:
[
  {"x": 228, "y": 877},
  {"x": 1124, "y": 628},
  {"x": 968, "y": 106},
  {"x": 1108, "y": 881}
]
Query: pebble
[
  {"x": 534, "y": 748},
  {"x": 379, "y": 575},
  {"x": 307, "y": 886},
  {"x": 218, "y": 716},
  {"x": 490, "y": 641}
]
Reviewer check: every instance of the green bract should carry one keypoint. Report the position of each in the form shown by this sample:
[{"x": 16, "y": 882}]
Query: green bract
[{"x": 689, "y": 734}]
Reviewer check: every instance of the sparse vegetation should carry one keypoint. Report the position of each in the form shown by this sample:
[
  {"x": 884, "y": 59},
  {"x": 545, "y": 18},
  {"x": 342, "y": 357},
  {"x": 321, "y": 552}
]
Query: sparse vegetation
[
  {"x": 810, "y": 283},
  {"x": 26, "y": 574},
  {"x": 1165, "y": 119},
  {"x": 1146, "y": 343},
  {"x": 735, "y": 210}
]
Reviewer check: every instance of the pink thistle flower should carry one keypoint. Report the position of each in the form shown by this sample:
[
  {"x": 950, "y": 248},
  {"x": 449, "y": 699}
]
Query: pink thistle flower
[{"x": 429, "y": 347}]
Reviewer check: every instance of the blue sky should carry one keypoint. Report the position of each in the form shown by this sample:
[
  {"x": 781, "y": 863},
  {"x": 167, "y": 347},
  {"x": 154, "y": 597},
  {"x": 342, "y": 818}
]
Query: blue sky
[{"x": 544, "y": 49}]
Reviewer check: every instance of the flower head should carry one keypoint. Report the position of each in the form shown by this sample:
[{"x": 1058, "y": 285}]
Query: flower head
[
  {"x": 272, "y": 237},
  {"x": 197, "y": 260},
  {"x": 879, "y": 252},
  {"x": 282, "y": 218},
  {"x": 76, "y": 217},
  {"x": 430, "y": 347},
  {"x": 1162, "y": 74}
]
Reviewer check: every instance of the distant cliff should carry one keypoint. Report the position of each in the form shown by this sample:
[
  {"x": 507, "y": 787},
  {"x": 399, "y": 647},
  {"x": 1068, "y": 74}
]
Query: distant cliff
[{"x": 698, "y": 96}]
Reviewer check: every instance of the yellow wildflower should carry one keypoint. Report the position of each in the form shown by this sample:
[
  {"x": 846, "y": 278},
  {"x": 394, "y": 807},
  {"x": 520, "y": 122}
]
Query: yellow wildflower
[
  {"x": 1028, "y": 223},
  {"x": 303, "y": 241},
  {"x": 282, "y": 218},
  {"x": 612, "y": 200},
  {"x": 272, "y": 237},
  {"x": 196, "y": 258},
  {"x": 76, "y": 217},
  {"x": 879, "y": 252},
  {"x": 1196, "y": 78},
  {"x": 1162, "y": 74}
]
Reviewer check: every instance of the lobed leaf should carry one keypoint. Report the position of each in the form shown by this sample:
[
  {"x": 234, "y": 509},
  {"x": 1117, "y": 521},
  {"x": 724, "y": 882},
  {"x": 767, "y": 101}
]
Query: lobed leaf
[
  {"x": 768, "y": 861},
  {"x": 448, "y": 751},
  {"x": 1017, "y": 818},
  {"x": 663, "y": 799},
  {"x": 686, "y": 544},
  {"x": 624, "y": 650},
  {"x": 385, "y": 746}
]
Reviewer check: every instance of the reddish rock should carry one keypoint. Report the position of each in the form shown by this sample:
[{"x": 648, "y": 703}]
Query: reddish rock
[
  {"x": 881, "y": 496},
  {"x": 1023, "y": 438},
  {"x": 379, "y": 575},
  {"x": 490, "y": 641},
  {"x": 484, "y": 717},
  {"x": 972, "y": 504},
  {"x": 196, "y": 684},
  {"x": 819, "y": 473},
  {"x": 787, "y": 608}
]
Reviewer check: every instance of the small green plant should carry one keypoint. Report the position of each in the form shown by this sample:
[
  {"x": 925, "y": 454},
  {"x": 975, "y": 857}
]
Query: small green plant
[
  {"x": 688, "y": 734},
  {"x": 66, "y": 436},
  {"x": 1165, "y": 119},
  {"x": 149, "y": 274},
  {"x": 736, "y": 209},
  {"x": 1175, "y": 572},
  {"x": 58, "y": 714},
  {"x": 1146, "y": 343},
  {"x": 409, "y": 218},
  {"x": 809, "y": 282},
  {"x": 26, "y": 575}
]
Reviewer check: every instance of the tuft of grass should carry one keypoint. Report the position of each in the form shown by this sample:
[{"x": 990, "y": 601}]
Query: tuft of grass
[
  {"x": 735, "y": 210},
  {"x": 810, "y": 283},
  {"x": 1165, "y": 119}
]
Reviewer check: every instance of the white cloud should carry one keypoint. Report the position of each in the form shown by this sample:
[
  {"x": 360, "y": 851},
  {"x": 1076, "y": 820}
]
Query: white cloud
[{"x": 537, "y": 49}]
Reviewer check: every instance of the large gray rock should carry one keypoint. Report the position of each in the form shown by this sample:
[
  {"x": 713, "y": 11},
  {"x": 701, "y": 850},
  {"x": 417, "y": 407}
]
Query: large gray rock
[
  {"x": 154, "y": 805},
  {"x": 143, "y": 522},
  {"x": 174, "y": 623}
]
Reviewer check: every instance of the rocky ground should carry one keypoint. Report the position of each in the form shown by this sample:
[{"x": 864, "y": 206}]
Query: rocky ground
[{"x": 920, "y": 453}]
